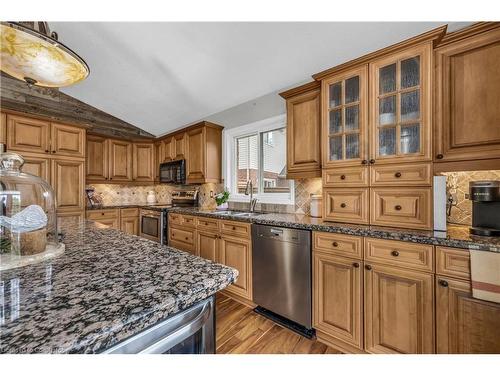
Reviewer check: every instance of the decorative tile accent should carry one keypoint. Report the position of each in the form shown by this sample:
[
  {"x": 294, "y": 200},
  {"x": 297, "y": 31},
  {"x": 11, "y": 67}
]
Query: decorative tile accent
[{"x": 458, "y": 183}]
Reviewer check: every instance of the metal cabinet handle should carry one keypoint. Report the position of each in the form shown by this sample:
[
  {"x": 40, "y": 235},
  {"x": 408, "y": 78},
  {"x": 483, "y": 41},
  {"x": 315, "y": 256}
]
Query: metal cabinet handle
[
  {"x": 355, "y": 265},
  {"x": 343, "y": 205},
  {"x": 397, "y": 174},
  {"x": 368, "y": 267},
  {"x": 342, "y": 177},
  {"x": 335, "y": 244},
  {"x": 395, "y": 253},
  {"x": 443, "y": 283},
  {"x": 364, "y": 161},
  {"x": 398, "y": 207}
]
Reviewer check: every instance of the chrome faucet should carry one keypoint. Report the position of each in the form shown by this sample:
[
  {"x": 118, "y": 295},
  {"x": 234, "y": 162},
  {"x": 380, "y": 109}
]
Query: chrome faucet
[{"x": 249, "y": 191}]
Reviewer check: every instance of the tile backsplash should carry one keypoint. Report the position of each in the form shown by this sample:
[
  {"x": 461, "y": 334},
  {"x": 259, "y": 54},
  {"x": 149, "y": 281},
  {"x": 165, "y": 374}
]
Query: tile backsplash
[{"x": 457, "y": 184}]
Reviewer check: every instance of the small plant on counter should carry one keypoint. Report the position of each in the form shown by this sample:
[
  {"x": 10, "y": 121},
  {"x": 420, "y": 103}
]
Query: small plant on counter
[{"x": 221, "y": 199}]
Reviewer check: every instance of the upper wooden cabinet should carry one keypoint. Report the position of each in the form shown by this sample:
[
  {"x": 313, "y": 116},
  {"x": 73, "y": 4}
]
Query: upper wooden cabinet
[
  {"x": 3, "y": 128},
  {"x": 204, "y": 153},
  {"x": 168, "y": 149},
  {"x": 143, "y": 162},
  {"x": 97, "y": 158},
  {"x": 120, "y": 160},
  {"x": 27, "y": 134},
  {"x": 345, "y": 118},
  {"x": 179, "y": 146},
  {"x": 303, "y": 131},
  {"x": 400, "y": 105},
  {"x": 467, "y": 95}
]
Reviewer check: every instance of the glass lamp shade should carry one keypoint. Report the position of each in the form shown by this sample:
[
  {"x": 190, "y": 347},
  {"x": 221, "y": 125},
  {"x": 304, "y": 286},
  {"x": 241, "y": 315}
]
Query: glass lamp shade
[{"x": 38, "y": 59}]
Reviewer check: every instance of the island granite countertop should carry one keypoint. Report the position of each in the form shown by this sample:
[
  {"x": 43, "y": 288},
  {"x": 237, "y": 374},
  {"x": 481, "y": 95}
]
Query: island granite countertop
[
  {"x": 457, "y": 236},
  {"x": 106, "y": 286}
]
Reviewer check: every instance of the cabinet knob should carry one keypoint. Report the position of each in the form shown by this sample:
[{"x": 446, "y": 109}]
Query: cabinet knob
[
  {"x": 343, "y": 205},
  {"x": 395, "y": 253},
  {"x": 439, "y": 156},
  {"x": 364, "y": 161},
  {"x": 53, "y": 151},
  {"x": 355, "y": 265},
  {"x": 397, "y": 207},
  {"x": 102, "y": 213},
  {"x": 111, "y": 178},
  {"x": 368, "y": 267},
  {"x": 46, "y": 150},
  {"x": 186, "y": 238},
  {"x": 372, "y": 161},
  {"x": 342, "y": 177},
  {"x": 443, "y": 283},
  {"x": 335, "y": 244},
  {"x": 397, "y": 174},
  {"x": 234, "y": 228}
]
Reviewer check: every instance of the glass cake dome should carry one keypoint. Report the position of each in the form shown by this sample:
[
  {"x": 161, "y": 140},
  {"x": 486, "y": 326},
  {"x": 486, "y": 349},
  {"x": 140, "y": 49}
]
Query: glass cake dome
[{"x": 28, "y": 221}]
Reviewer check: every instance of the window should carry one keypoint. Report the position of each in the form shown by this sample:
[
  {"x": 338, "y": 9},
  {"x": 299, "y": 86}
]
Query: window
[{"x": 257, "y": 153}]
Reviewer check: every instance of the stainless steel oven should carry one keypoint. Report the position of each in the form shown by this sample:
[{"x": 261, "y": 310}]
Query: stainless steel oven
[
  {"x": 173, "y": 172},
  {"x": 152, "y": 225},
  {"x": 191, "y": 331}
]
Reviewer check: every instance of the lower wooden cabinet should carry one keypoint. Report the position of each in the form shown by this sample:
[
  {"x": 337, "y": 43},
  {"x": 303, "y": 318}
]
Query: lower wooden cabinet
[
  {"x": 73, "y": 217},
  {"x": 338, "y": 299},
  {"x": 236, "y": 253},
  {"x": 107, "y": 217},
  {"x": 399, "y": 310},
  {"x": 68, "y": 182},
  {"x": 182, "y": 238},
  {"x": 130, "y": 225},
  {"x": 208, "y": 245},
  {"x": 465, "y": 324}
]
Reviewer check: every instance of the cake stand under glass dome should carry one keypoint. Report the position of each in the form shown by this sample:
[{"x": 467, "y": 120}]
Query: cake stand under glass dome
[{"x": 28, "y": 221}]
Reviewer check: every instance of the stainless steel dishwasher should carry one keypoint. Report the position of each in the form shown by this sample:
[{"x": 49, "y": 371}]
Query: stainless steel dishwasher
[{"x": 281, "y": 264}]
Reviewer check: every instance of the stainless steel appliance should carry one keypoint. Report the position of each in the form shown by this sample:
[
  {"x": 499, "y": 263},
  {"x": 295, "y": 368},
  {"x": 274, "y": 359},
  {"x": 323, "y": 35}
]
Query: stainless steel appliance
[
  {"x": 173, "y": 172},
  {"x": 188, "y": 332},
  {"x": 485, "y": 197},
  {"x": 153, "y": 224},
  {"x": 281, "y": 264}
]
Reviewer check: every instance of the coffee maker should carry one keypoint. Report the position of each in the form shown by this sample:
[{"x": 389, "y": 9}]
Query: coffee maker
[{"x": 485, "y": 197}]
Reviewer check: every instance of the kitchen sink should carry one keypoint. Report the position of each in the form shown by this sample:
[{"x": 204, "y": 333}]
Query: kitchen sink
[{"x": 246, "y": 214}]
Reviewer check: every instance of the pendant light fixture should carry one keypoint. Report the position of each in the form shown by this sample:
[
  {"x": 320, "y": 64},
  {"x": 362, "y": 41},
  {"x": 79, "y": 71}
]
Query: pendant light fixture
[{"x": 31, "y": 53}]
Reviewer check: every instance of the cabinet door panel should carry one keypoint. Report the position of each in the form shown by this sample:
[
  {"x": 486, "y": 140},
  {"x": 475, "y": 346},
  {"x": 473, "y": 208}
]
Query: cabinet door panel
[
  {"x": 179, "y": 146},
  {"x": 467, "y": 97},
  {"x": 37, "y": 166},
  {"x": 67, "y": 140},
  {"x": 465, "y": 325},
  {"x": 97, "y": 158},
  {"x": 143, "y": 160},
  {"x": 345, "y": 177},
  {"x": 398, "y": 311},
  {"x": 208, "y": 245},
  {"x": 120, "y": 160},
  {"x": 195, "y": 163},
  {"x": 130, "y": 225},
  {"x": 77, "y": 217},
  {"x": 348, "y": 205},
  {"x": 236, "y": 253},
  {"x": 338, "y": 298},
  {"x": 27, "y": 134},
  {"x": 68, "y": 181},
  {"x": 3, "y": 128}
]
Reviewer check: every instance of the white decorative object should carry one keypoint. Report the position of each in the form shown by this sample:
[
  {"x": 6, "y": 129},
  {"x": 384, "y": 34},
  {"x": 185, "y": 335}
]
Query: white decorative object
[
  {"x": 316, "y": 205},
  {"x": 31, "y": 218},
  {"x": 151, "y": 197}
]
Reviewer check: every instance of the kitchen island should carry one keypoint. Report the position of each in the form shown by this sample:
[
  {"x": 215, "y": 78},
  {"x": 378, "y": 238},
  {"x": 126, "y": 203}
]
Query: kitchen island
[{"x": 106, "y": 287}]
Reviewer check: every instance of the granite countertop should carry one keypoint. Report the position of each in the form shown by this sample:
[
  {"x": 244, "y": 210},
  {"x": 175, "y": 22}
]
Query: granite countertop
[
  {"x": 106, "y": 286},
  {"x": 126, "y": 205},
  {"x": 456, "y": 236}
]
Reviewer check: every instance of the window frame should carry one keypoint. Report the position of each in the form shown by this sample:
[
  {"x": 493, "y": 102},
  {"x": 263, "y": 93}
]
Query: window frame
[{"x": 230, "y": 162}]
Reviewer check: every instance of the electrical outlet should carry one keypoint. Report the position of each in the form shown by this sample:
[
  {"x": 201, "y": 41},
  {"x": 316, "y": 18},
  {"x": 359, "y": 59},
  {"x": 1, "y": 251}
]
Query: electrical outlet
[{"x": 211, "y": 193}]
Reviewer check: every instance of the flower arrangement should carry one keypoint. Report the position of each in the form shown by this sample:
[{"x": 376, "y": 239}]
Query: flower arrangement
[{"x": 222, "y": 198}]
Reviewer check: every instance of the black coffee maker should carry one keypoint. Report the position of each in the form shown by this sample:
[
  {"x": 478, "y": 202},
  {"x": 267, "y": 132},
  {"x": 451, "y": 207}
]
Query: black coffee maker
[{"x": 485, "y": 197}]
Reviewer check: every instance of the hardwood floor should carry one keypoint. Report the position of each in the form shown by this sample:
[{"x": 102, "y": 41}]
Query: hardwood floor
[{"x": 242, "y": 331}]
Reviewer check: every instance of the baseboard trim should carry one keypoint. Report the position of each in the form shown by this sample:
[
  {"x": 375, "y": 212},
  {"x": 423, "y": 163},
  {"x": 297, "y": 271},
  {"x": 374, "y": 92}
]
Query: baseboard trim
[{"x": 338, "y": 344}]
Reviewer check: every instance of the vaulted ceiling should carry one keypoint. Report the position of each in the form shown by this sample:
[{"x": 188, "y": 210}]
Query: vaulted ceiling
[{"x": 162, "y": 76}]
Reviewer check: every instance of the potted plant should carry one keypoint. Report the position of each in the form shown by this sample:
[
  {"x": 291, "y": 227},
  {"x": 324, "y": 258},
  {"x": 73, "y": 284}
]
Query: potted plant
[{"x": 221, "y": 200}]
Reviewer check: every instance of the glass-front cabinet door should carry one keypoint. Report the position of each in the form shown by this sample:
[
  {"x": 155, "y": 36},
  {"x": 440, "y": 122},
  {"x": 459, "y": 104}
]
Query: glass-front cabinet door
[
  {"x": 400, "y": 121},
  {"x": 345, "y": 118}
]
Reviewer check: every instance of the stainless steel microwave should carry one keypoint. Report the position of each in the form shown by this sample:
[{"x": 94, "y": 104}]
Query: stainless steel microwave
[{"x": 173, "y": 172}]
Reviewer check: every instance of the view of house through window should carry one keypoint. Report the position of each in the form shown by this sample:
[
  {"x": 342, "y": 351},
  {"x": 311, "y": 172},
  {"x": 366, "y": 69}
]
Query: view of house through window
[{"x": 261, "y": 158}]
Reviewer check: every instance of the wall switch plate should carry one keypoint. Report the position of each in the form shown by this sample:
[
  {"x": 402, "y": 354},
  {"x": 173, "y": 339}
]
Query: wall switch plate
[{"x": 211, "y": 193}]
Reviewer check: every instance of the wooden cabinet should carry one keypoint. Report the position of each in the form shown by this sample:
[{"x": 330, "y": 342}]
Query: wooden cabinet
[
  {"x": 120, "y": 160},
  {"x": 453, "y": 262},
  {"x": 401, "y": 175},
  {"x": 179, "y": 146},
  {"x": 68, "y": 182},
  {"x": 400, "y": 105},
  {"x": 143, "y": 162},
  {"x": 158, "y": 159},
  {"x": 208, "y": 245},
  {"x": 465, "y": 325},
  {"x": 196, "y": 163},
  {"x": 107, "y": 217},
  {"x": 349, "y": 205},
  {"x": 71, "y": 217},
  {"x": 97, "y": 158},
  {"x": 168, "y": 149},
  {"x": 3, "y": 128},
  {"x": 337, "y": 299},
  {"x": 345, "y": 177},
  {"x": 467, "y": 93},
  {"x": 130, "y": 225},
  {"x": 236, "y": 252},
  {"x": 67, "y": 140},
  {"x": 303, "y": 131},
  {"x": 344, "y": 102},
  {"x": 338, "y": 244},
  {"x": 28, "y": 134},
  {"x": 39, "y": 166},
  {"x": 183, "y": 239},
  {"x": 399, "y": 315}
]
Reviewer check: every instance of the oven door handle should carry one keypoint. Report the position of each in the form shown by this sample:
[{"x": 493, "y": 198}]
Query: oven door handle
[{"x": 180, "y": 334}]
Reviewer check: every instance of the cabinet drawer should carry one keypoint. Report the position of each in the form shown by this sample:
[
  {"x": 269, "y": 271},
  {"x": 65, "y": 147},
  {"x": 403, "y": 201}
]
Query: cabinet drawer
[
  {"x": 398, "y": 253},
  {"x": 174, "y": 219},
  {"x": 129, "y": 212},
  {"x": 110, "y": 223},
  {"x": 188, "y": 221},
  {"x": 235, "y": 228},
  {"x": 184, "y": 246},
  {"x": 408, "y": 174},
  {"x": 181, "y": 235},
  {"x": 338, "y": 244},
  {"x": 340, "y": 177},
  {"x": 207, "y": 224},
  {"x": 102, "y": 214},
  {"x": 453, "y": 262},
  {"x": 346, "y": 205},
  {"x": 401, "y": 207}
]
